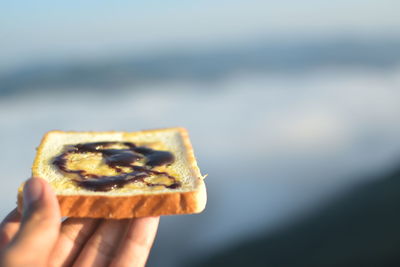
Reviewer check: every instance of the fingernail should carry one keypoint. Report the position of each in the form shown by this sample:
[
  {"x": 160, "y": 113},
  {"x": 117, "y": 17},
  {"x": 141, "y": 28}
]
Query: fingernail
[{"x": 32, "y": 191}]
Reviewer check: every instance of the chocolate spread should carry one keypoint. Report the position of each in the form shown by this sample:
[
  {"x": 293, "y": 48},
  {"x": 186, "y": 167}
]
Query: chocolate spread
[{"x": 117, "y": 159}]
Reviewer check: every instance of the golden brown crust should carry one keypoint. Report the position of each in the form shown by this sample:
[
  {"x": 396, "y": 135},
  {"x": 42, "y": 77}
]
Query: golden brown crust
[{"x": 118, "y": 207}]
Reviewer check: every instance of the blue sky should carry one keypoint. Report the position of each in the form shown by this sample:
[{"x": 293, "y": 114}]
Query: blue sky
[{"x": 40, "y": 30}]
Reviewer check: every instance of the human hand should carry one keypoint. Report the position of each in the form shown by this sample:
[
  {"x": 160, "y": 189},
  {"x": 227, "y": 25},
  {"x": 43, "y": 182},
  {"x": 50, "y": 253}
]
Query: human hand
[{"x": 39, "y": 238}]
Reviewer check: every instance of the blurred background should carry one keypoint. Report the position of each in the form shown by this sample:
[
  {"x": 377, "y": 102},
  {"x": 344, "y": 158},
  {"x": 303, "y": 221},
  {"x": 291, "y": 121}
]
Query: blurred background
[{"x": 292, "y": 106}]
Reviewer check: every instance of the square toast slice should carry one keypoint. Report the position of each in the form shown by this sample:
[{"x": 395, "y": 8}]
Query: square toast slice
[{"x": 121, "y": 174}]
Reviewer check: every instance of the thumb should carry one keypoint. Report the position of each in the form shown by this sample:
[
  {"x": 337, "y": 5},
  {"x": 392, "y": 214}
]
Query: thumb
[{"x": 40, "y": 225}]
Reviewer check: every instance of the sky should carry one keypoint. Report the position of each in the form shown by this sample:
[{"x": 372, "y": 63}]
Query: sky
[{"x": 36, "y": 31}]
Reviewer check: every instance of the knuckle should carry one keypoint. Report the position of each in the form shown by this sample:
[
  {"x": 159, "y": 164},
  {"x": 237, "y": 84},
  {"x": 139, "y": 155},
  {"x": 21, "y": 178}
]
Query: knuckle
[{"x": 39, "y": 216}]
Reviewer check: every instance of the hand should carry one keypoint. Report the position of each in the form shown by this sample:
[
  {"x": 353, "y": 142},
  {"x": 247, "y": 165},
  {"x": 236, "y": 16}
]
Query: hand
[{"x": 40, "y": 239}]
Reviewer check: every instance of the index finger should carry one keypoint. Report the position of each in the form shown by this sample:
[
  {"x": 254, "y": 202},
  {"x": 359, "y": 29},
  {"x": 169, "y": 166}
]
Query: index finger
[
  {"x": 9, "y": 227},
  {"x": 138, "y": 241}
]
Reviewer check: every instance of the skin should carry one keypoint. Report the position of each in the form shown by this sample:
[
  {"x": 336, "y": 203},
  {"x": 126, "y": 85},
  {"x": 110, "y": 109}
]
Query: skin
[{"x": 38, "y": 236}]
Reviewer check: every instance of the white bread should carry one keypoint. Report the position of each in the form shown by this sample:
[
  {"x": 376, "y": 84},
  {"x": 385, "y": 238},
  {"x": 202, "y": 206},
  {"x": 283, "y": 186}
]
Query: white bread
[{"x": 134, "y": 199}]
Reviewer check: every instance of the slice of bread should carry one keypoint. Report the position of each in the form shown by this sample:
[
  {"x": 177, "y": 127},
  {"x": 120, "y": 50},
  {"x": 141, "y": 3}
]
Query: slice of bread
[{"x": 163, "y": 189}]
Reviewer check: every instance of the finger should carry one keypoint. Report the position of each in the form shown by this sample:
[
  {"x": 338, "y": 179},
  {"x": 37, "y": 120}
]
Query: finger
[
  {"x": 139, "y": 239},
  {"x": 100, "y": 248},
  {"x": 9, "y": 227},
  {"x": 39, "y": 226},
  {"x": 73, "y": 235}
]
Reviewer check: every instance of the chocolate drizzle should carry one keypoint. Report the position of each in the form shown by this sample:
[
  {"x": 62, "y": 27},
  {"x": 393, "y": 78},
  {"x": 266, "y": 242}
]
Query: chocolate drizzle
[{"x": 118, "y": 159}]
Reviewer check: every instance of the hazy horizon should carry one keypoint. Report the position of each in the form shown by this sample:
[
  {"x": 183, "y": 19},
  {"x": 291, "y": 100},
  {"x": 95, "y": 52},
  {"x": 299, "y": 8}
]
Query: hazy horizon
[{"x": 44, "y": 30}]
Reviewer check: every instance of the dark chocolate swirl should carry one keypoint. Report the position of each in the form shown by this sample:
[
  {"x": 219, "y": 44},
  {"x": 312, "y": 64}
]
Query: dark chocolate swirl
[{"x": 118, "y": 159}]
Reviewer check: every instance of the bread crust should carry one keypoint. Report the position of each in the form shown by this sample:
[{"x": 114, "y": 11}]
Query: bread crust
[
  {"x": 142, "y": 205},
  {"x": 120, "y": 207}
]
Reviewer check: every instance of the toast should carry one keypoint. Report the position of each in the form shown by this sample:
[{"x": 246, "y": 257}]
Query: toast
[{"x": 121, "y": 174}]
